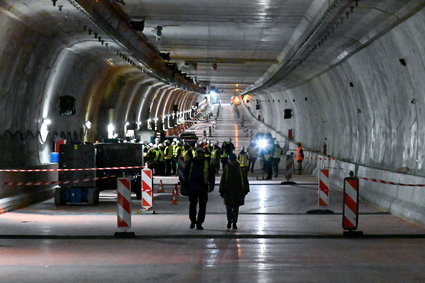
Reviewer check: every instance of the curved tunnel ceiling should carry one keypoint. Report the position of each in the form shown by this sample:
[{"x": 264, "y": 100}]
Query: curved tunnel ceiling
[{"x": 264, "y": 44}]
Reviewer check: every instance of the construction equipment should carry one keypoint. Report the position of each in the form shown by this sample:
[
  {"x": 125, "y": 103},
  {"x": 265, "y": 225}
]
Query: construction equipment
[{"x": 99, "y": 155}]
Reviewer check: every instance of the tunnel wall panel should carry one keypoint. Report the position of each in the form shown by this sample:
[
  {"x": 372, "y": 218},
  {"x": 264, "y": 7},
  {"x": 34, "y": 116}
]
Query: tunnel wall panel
[{"x": 371, "y": 110}]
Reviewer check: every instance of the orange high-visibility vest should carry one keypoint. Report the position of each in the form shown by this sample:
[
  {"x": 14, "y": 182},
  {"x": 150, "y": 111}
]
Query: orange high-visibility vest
[{"x": 299, "y": 154}]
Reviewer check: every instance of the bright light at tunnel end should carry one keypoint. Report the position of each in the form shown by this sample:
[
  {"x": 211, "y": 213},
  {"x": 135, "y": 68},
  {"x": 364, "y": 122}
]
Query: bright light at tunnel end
[{"x": 262, "y": 143}]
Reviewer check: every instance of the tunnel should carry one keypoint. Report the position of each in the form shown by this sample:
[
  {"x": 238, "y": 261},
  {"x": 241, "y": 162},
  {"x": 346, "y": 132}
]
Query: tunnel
[{"x": 343, "y": 78}]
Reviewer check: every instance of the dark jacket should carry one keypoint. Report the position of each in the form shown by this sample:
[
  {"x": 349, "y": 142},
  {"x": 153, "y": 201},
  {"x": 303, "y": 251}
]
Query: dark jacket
[
  {"x": 234, "y": 185},
  {"x": 195, "y": 177}
]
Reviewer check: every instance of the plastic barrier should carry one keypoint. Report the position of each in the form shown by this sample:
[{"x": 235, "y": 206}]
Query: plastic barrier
[
  {"x": 289, "y": 167},
  {"x": 124, "y": 203},
  {"x": 350, "y": 212},
  {"x": 147, "y": 195},
  {"x": 323, "y": 189}
]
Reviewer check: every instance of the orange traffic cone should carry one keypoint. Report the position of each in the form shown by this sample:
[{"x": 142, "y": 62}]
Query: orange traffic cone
[
  {"x": 174, "y": 197},
  {"x": 161, "y": 187}
]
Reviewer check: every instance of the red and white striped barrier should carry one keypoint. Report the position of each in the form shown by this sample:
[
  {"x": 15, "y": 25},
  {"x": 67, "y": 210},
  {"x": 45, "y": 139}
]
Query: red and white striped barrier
[
  {"x": 289, "y": 167},
  {"x": 147, "y": 195},
  {"x": 323, "y": 189},
  {"x": 42, "y": 183},
  {"x": 71, "y": 169},
  {"x": 350, "y": 212},
  {"x": 124, "y": 203}
]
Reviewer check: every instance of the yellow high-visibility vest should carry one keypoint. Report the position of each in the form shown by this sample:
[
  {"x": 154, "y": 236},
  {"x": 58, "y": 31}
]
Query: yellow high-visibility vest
[{"x": 243, "y": 160}]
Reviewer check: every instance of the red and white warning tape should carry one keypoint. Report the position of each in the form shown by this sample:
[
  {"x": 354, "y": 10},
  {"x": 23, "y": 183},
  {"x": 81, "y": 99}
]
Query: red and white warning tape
[
  {"x": 71, "y": 169},
  {"x": 381, "y": 181},
  {"x": 392, "y": 183},
  {"x": 55, "y": 182},
  {"x": 321, "y": 158}
]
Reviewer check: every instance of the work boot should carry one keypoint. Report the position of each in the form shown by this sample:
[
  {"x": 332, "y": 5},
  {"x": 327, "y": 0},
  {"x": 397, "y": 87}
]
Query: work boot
[
  {"x": 192, "y": 225},
  {"x": 229, "y": 225},
  {"x": 234, "y": 226},
  {"x": 199, "y": 227}
]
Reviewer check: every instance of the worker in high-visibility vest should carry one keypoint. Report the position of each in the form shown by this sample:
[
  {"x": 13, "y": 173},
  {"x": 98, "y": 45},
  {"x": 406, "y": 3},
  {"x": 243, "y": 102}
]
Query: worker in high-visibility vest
[
  {"x": 243, "y": 159},
  {"x": 187, "y": 153},
  {"x": 299, "y": 156},
  {"x": 215, "y": 157},
  {"x": 177, "y": 151},
  {"x": 200, "y": 179},
  {"x": 207, "y": 149},
  {"x": 160, "y": 159},
  {"x": 168, "y": 157}
]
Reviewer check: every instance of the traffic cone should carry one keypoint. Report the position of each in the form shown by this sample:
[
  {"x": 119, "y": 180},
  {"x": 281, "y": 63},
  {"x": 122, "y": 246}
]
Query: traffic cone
[
  {"x": 174, "y": 197},
  {"x": 161, "y": 187}
]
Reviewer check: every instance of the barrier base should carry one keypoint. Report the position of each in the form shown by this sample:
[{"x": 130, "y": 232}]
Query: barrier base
[
  {"x": 142, "y": 211},
  {"x": 288, "y": 183},
  {"x": 353, "y": 234},
  {"x": 320, "y": 211},
  {"x": 125, "y": 235}
]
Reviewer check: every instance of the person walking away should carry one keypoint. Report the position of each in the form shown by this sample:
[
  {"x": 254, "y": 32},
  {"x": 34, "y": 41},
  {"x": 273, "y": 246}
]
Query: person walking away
[
  {"x": 299, "y": 156},
  {"x": 252, "y": 153},
  {"x": 200, "y": 179},
  {"x": 234, "y": 186},
  {"x": 243, "y": 159},
  {"x": 277, "y": 153}
]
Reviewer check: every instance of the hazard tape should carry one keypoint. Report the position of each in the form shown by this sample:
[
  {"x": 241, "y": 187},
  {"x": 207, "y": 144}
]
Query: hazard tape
[
  {"x": 71, "y": 169},
  {"x": 55, "y": 182},
  {"x": 321, "y": 158},
  {"x": 392, "y": 183},
  {"x": 336, "y": 168},
  {"x": 381, "y": 181}
]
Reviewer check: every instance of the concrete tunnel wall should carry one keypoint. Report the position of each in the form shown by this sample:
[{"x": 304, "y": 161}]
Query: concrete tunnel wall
[
  {"x": 38, "y": 66},
  {"x": 371, "y": 110}
]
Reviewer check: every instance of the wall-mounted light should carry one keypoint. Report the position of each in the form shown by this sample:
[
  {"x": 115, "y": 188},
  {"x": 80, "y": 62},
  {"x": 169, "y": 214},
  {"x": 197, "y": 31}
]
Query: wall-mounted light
[
  {"x": 88, "y": 125},
  {"x": 111, "y": 129},
  {"x": 44, "y": 129}
]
